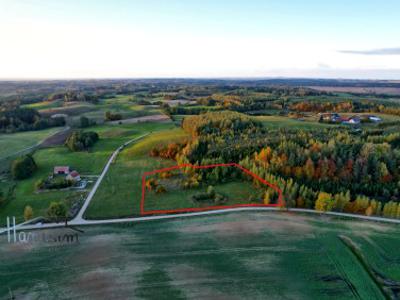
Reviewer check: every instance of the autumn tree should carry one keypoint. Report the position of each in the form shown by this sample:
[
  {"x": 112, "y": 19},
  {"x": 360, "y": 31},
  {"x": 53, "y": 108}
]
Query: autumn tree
[
  {"x": 325, "y": 202},
  {"x": 28, "y": 213}
]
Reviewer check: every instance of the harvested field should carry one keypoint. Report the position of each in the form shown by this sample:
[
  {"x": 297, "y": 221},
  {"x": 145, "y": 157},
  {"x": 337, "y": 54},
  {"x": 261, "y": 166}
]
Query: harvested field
[
  {"x": 247, "y": 255},
  {"x": 56, "y": 139}
]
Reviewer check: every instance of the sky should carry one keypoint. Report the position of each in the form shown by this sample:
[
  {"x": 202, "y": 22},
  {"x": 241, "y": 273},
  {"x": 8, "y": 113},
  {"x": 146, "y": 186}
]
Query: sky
[{"x": 62, "y": 39}]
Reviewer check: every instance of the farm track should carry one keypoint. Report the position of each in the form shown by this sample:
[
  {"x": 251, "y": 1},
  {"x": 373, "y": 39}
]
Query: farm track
[{"x": 79, "y": 217}]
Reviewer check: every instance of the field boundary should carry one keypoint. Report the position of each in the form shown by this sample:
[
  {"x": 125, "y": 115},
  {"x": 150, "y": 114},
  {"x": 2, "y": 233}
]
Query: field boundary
[{"x": 216, "y": 207}]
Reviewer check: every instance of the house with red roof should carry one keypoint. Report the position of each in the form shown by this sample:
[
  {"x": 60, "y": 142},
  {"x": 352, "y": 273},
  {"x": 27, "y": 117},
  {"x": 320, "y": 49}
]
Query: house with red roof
[
  {"x": 74, "y": 176},
  {"x": 61, "y": 170}
]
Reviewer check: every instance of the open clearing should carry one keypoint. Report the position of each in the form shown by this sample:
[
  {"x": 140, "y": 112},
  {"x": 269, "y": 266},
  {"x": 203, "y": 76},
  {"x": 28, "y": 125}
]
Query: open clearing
[
  {"x": 237, "y": 255},
  {"x": 275, "y": 122},
  {"x": 238, "y": 192}
]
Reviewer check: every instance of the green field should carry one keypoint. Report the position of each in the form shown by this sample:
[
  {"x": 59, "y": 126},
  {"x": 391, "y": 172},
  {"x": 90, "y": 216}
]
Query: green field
[
  {"x": 309, "y": 123},
  {"x": 251, "y": 255},
  {"x": 86, "y": 163},
  {"x": 120, "y": 192},
  {"x": 45, "y": 104},
  {"x": 12, "y": 143},
  {"x": 275, "y": 122},
  {"x": 237, "y": 192}
]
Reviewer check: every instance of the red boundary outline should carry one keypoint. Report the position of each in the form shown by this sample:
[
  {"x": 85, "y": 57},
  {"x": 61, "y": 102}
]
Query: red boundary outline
[{"x": 196, "y": 209}]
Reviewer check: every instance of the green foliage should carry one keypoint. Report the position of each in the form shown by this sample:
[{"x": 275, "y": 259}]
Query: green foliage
[
  {"x": 23, "y": 167},
  {"x": 58, "y": 182},
  {"x": 161, "y": 189},
  {"x": 79, "y": 140},
  {"x": 84, "y": 122},
  {"x": 218, "y": 123},
  {"x": 109, "y": 116},
  {"x": 24, "y": 119},
  {"x": 57, "y": 210},
  {"x": 210, "y": 196},
  {"x": 325, "y": 202}
]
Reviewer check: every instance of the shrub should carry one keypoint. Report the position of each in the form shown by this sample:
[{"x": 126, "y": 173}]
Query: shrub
[
  {"x": 57, "y": 210},
  {"x": 160, "y": 189},
  {"x": 53, "y": 184},
  {"x": 112, "y": 117},
  {"x": 28, "y": 213},
  {"x": 40, "y": 184},
  {"x": 151, "y": 184},
  {"x": 23, "y": 167},
  {"x": 325, "y": 202},
  {"x": 79, "y": 140},
  {"x": 211, "y": 191}
]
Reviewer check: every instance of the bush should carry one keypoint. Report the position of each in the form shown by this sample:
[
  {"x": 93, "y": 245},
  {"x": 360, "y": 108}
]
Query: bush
[
  {"x": 151, "y": 184},
  {"x": 23, "y": 167},
  {"x": 57, "y": 210},
  {"x": 28, "y": 213},
  {"x": 211, "y": 191},
  {"x": 40, "y": 184},
  {"x": 160, "y": 189},
  {"x": 79, "y": 140},
  {"x": 112, "y": 117},
  {"x": 53, "y": 184}
]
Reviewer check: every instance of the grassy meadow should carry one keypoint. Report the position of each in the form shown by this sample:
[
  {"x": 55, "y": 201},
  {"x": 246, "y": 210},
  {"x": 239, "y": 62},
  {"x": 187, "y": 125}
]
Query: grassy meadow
[
  {"x": 120, "y": 192},
  {"x": 12, "y": 143},
  {"x": 86, "y": 163},
  {"x": 275, "y": 122},
  {"x": 250, "y": 255}
]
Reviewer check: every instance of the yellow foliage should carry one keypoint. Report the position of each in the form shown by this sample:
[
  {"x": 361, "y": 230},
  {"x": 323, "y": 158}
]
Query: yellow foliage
[{"x": 325, "y": 202}]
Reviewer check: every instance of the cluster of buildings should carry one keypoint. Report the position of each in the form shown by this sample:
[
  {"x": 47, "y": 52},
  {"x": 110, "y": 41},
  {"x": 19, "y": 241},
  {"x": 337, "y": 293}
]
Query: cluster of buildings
[
  {"x": 73, "y": 176},
  {"x": 353, "y": 120}
]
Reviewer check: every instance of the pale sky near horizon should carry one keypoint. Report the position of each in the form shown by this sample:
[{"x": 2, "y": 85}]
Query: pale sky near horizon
[{"x": 171, "y": 38}]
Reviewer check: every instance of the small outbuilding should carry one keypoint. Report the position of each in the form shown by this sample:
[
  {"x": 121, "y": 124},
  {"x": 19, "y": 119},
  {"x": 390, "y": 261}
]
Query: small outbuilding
[
  {"x": 374, "y": 119},
  {"x": 61, "y": 170}
]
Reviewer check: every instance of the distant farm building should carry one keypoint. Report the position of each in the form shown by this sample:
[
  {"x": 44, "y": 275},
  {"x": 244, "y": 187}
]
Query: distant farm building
[
  {"x": 329, "y": 117},
  {"x": 352, "y": 120},
  {"x": 59, "y": 116},
  {"x": 61, "y": 170},
  {"x": 74, "y": 176},
  {"x": 374, "y": 119}
]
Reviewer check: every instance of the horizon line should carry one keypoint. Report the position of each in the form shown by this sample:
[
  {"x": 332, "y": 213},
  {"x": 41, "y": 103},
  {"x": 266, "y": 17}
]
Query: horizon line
[{"x": 192, "y": 78}]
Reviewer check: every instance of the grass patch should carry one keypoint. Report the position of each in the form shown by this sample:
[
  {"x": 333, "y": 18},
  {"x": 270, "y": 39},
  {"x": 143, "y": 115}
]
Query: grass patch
[
  {"x": 237, "y": 192},
  {"x": 275, "y": 122},
  {"x": 14, "y": 142}
]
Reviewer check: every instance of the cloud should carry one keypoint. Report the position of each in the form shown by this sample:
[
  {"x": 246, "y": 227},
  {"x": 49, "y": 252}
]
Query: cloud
[{"x": 383, "y": 51}]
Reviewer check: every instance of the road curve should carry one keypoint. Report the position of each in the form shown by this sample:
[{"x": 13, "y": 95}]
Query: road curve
[{"x": 79, "y": 217}]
